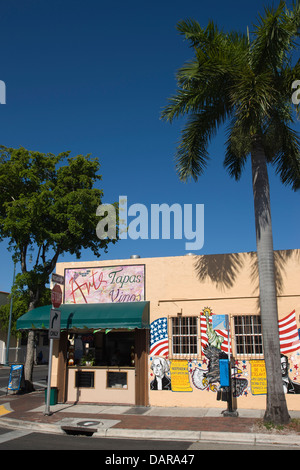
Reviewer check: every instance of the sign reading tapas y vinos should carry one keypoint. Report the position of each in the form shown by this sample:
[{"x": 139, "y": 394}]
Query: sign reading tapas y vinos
[{"x": 105, "y": 284}]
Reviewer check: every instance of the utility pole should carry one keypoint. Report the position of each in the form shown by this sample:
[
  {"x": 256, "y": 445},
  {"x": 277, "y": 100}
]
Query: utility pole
[{"x": 10, "y": 317}]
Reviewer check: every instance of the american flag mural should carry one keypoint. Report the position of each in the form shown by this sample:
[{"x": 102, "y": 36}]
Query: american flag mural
[
  {"x": 204, "y": 338},
  {"x": 288, "y": 334},
  {"x": 159, "y": 341}
]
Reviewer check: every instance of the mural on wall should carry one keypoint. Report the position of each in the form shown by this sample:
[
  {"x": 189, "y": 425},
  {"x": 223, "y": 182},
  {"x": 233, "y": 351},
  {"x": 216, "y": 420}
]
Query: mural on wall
[
  {"x": 209, "y": 336},
  {"x": 289, "y": 345},
  {"x": 180, "y": 376},
  {"x": 210, "y": 377},
  {"x": 159, "y": 341},
  {"x": 105, "y": 284},
  {"x": 288, "y": 334},
  {"x": 166, "y": 375},
  {"x": 258, "y": 381},
  {"x": 199, "y": 371},
  {"x": 290, "y": 385},
  {"x": 248, "y": 376},
  {"x": 215, "y": 345},
  {"x": 160, "y": 367}
]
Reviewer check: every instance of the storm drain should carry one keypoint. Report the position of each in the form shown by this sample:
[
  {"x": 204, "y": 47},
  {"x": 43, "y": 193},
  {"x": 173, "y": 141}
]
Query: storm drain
[{"x": 85, "y": 427}]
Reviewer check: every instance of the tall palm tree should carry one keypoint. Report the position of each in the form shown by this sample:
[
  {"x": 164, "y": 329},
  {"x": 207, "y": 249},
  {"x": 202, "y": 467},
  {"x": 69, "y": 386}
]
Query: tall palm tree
[{"x": 246, "y": 82}]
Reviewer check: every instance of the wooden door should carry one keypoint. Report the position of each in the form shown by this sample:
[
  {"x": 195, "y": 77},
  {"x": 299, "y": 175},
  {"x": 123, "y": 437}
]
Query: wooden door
[{"x": 141, "y": 367}]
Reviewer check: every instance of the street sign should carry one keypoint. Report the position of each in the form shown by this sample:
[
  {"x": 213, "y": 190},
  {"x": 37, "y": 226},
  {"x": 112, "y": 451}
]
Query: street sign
[
  {"x": 54, "y": 324},
  {"x": 56, "y": 296},
  {"x": 58, "y": 279}
]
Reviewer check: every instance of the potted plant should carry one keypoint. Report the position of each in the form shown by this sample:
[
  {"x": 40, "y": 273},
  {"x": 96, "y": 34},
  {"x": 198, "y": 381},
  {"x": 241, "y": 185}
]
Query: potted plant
[{"x": 88, "y": 360}]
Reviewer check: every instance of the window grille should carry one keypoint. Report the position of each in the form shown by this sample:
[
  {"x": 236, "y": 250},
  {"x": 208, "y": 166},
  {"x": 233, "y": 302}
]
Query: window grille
[
  {"x": 248, "y": 335},
  {"x": 84, "y": 379},
  {"x": 185, "y": 336}
]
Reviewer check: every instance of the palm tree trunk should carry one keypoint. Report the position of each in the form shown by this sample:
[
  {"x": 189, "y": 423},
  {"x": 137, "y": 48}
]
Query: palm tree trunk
[
  {"x": 28, "y": 368},
  {"x": 276, "y": 407}
]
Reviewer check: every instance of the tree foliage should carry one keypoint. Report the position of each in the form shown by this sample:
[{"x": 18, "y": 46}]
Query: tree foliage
[
  {"x": 244, "y": 81},
  {"x": 21, "y": 301},
  {"x": 47, "y": 208}
]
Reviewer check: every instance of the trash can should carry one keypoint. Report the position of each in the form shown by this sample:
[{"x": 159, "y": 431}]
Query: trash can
[{"x": 53, "y": 396}]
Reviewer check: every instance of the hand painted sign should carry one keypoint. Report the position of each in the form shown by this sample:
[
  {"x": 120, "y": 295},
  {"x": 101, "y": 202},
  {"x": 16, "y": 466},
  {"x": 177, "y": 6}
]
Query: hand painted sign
[
  {"x": 105, "y": 284},
  {"x": 258, "y": 377},
  {"x": 180, "y": 376}
]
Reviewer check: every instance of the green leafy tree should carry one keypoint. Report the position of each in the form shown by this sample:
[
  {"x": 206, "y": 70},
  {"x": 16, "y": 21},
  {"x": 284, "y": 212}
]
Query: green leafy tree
[
  {"x": 21, "y": 301},
  {"x": 246, "y": 82},
  {"x": 47, "y": 208}
]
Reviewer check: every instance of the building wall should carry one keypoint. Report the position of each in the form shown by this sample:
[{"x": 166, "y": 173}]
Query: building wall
[{"x": 187, "y": 286}]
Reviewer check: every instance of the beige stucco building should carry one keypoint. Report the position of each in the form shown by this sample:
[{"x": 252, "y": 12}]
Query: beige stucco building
[{"x": 168, "y": 354}]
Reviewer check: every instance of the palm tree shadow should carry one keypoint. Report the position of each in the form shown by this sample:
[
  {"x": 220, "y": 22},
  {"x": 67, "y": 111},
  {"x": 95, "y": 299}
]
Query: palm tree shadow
[
  {"x": 280, "y": 260},
  {"x": 224, "y": 269},
  {"x": 221, "y": 269}
]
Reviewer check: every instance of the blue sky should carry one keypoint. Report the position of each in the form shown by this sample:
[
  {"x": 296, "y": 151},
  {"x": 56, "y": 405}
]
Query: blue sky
[{"x": 92, "y": 77}]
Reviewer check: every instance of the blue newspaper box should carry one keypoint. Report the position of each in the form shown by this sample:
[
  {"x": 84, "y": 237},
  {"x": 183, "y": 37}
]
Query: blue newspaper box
[{"x": 224, "y": 372}]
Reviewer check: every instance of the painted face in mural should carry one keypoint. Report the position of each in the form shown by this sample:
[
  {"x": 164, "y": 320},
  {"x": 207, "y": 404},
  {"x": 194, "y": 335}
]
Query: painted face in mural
[
  {"x": 158, "y": 368},
  {"x": 284, "y": 366}
]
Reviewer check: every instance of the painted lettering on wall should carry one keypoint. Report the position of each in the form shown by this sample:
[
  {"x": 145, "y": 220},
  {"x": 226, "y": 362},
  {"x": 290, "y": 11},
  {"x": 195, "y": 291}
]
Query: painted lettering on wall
[
  {"x": 258, "y": 377},
  {"x": 105, "y": 285},
  {"x": 180, "y": 376}
]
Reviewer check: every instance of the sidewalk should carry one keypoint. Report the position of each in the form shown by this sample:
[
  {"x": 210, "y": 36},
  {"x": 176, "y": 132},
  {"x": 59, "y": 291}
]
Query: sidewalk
[{"x": 115, "y": 421}]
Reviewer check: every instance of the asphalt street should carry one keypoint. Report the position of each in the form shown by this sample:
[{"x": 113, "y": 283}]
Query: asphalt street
[{"x": 27, "y": 440}]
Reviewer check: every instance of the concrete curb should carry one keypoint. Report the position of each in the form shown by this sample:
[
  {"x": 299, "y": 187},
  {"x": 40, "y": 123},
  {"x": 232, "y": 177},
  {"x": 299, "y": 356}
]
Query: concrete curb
[
  {"x": 252, "y": 438},
  {"x": 30, "y": 425},
  {"x": 194, "y": 436}
]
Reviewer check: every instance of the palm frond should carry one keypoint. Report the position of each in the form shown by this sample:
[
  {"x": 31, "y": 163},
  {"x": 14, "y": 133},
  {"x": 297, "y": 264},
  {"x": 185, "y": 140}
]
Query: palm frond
[
  {"x": 197, "y": 36},
  {"x": 282, "y": 148},
  {"x": 275, "y": 37},
  {"x": 247, "y": 81},
  {"x": 253, "y": 96},
  {"x": 192, "y": 155},
  {"x": 238, "y": 147},
  {"x": 203, "y": 80}
]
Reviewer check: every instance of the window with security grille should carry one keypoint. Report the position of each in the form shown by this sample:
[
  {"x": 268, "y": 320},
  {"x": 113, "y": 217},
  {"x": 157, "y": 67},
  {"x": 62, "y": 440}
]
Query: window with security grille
[
  {"x": 84, "y": 379},
  {"x": 185, "y": 336},
  {"x": 248, "y": 335}
]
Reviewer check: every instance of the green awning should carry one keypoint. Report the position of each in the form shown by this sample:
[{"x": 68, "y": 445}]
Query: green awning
[{"x": 89, "y": 316}]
